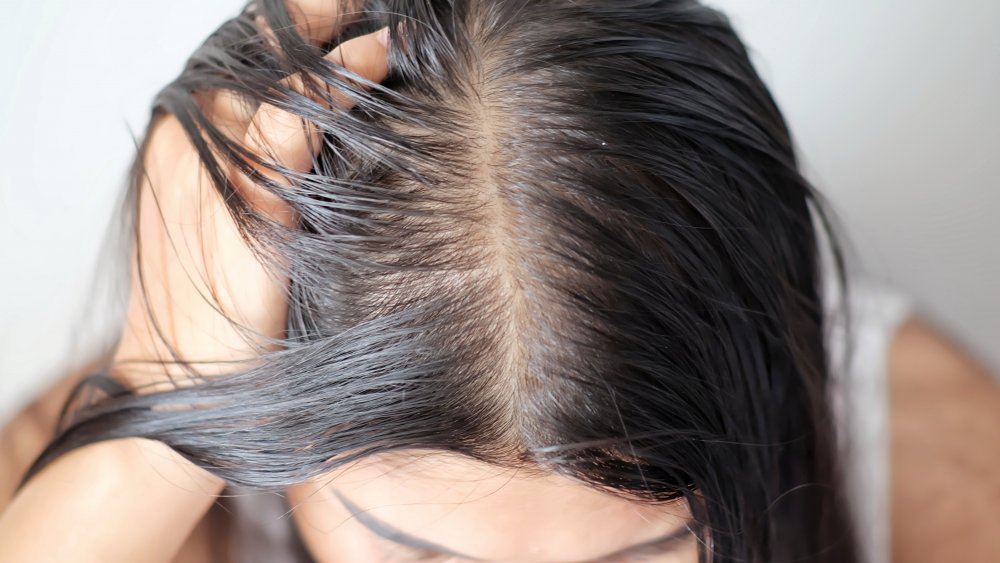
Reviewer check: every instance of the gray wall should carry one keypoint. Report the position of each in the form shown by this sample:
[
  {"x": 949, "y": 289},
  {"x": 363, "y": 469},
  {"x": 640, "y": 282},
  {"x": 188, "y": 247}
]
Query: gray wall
[{"x": 894, "y": 104}]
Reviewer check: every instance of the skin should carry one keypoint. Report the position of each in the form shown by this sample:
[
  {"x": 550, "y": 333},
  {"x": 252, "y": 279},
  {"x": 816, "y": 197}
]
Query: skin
[
  {"x": 457, "y": 509},
  {"x": 945, "y": 450},
  {"x": 944, "y": 414}
]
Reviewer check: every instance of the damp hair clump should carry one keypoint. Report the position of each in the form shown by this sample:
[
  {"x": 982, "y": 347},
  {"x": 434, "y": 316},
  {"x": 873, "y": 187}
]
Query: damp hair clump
[{"x": 564, "y": 236}]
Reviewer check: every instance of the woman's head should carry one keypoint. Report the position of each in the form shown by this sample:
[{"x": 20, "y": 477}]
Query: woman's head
[{"x": 565, "y": 247}]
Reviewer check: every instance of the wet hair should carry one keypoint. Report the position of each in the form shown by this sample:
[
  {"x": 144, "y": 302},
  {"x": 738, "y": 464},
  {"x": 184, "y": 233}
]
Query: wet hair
[{"x": 564, "y": 235}]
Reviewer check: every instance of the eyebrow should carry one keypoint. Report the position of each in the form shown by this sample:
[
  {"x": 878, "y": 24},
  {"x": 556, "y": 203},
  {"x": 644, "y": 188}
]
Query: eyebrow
[
  {"x": 392, "y": 534},
  {"x": 666, "y": 543},
  {"x": 663, "y": 544}
]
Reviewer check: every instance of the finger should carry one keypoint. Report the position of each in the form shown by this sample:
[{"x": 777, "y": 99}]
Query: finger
[
  {"x": 316, "y": 21},
  {"x": 366, "y": 56},
  {"x": 320, "y": 21},
  {"x": 287, "y": 140},
  {"x": 230, "y": 112}
]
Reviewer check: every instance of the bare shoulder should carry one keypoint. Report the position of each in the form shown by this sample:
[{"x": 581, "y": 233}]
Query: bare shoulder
[{"x": 945, "y": 433}]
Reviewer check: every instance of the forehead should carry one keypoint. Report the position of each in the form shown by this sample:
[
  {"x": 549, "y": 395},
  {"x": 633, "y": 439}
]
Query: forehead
[{"x": 497, "y": 513}]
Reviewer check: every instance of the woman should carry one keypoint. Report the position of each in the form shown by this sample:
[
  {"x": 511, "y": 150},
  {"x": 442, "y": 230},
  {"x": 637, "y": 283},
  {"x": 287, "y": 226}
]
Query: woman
[{"x": 502, "y": 281}]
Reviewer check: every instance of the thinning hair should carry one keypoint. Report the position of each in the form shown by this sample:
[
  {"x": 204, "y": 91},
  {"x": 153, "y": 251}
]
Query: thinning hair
[{"x": 564, "y": 235}]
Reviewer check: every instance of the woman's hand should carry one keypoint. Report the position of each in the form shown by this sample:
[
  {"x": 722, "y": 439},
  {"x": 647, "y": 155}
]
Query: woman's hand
[
  {"x": 115, "y": 501},
  {"x": 206, "y": 297},
  {"x": 198, "y": 294}
]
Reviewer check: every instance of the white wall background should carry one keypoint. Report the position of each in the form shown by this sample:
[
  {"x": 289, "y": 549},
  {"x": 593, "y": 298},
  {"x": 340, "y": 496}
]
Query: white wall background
[{"x": 895, "y": 105}]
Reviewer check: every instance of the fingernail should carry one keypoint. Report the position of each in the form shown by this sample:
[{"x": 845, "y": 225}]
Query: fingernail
[{"x": 383, "y": 36}]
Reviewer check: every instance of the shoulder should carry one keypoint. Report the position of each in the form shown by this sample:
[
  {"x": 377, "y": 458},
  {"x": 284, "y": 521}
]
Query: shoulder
[{"x": 945, "y": 449}]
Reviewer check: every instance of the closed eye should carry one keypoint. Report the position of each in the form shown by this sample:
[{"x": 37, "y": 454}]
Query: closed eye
[
  {"x": 407, "y": 547},
  {"x": 401, "y": 553}
]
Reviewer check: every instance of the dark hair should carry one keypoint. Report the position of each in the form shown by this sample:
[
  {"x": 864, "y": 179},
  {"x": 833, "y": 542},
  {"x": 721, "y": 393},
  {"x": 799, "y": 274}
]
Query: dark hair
[{"x": 564, "y": 235}]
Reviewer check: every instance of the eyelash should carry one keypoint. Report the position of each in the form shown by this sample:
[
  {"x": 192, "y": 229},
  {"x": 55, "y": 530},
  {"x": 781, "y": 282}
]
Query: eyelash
[
  {"x": 636, "y": 557},
  {"x": 411, "y": 554},
  {"x": 414, "y": 554},
  {"x": 429, "y": 556}
]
